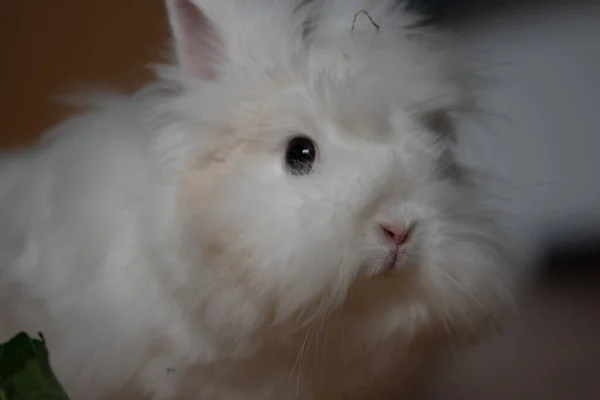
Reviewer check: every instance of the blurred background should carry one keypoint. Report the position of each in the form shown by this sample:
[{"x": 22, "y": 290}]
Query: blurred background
[{"x": 540, "y": 143}]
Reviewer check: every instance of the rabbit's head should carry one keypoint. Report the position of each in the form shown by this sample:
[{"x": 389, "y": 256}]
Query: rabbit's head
[{"x": 324, "y": 157}]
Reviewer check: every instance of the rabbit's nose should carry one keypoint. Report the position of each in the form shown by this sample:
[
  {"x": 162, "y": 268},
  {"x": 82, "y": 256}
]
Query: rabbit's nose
[{"x": 397, "y": 233}]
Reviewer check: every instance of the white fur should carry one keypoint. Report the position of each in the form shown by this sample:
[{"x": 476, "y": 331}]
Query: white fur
[{"x": 159, "y": 244}]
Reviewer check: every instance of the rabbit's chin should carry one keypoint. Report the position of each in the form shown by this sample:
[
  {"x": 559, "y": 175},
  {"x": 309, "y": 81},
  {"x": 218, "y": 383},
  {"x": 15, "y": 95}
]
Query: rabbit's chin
[
  {"x": 359, "y": 333},
  {"x": 393, "y": 308}
]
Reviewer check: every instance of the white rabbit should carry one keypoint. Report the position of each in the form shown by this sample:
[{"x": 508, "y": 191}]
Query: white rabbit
[{"x": 276, "y": 218}]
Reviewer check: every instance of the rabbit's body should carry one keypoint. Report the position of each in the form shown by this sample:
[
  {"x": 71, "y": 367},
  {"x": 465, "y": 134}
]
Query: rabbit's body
[
  {"x": 273, "y": 220},
  {"x": 113, "y": 320}
]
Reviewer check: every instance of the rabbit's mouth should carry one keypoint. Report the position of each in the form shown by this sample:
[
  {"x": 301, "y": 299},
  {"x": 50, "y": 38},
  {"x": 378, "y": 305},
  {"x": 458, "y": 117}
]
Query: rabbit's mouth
[
  {"x": 395, "y": 260},
  {"x": 391, "y": 261}
]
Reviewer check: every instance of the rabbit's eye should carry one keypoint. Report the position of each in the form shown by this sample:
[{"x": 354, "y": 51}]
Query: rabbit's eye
[{"x": 300, "y": 155}]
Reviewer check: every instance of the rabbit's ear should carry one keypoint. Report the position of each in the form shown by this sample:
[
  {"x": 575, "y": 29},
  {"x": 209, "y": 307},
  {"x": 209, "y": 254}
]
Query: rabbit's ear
[{"x": 198, "y": 43}]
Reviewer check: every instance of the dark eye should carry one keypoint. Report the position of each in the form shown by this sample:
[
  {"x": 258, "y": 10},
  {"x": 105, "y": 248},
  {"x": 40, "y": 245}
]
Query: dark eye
[{"x": 300, "y": 155}]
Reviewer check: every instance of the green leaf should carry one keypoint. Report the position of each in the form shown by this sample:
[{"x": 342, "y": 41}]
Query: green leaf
[{"x": 25, "y": 372}]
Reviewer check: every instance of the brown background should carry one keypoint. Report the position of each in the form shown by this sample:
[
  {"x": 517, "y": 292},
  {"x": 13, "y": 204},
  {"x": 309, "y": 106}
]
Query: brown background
[{"x": 50, "y": 47}]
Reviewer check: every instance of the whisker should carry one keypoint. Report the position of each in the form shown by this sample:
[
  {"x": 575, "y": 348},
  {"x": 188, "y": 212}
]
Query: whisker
[{"x": 472, "y": 298}]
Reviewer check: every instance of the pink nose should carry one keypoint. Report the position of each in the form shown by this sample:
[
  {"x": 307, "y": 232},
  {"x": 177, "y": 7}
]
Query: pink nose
[{"x": 396, "y": 233}]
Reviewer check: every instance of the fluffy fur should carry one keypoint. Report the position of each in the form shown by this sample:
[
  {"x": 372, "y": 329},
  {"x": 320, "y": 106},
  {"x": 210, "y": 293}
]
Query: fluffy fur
[{"x": 165, "y": 252}]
